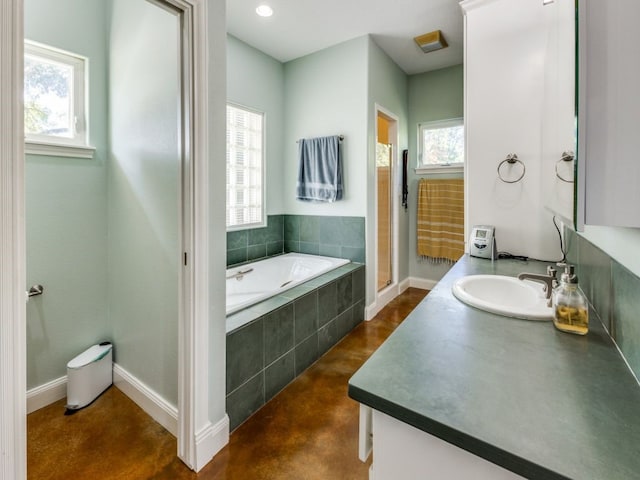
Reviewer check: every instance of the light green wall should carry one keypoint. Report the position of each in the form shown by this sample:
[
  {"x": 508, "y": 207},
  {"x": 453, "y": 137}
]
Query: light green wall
[
  {"x": 217, "y": 244},
  {"x": 144, "y": 194},
  {"x": 326, "y": 94},
  {"x": 388, "y": 90},
  {"x": 102, "y": 234},
  {"x": 66, "y": 206},
  {"x": 435, "y": 95},
  {"x": 334, "y": 91},
  {"x": 256, "y": 80}
]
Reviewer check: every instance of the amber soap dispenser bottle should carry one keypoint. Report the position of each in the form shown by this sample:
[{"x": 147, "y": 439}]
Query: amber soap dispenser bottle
[{"x": 570, "y": 306}]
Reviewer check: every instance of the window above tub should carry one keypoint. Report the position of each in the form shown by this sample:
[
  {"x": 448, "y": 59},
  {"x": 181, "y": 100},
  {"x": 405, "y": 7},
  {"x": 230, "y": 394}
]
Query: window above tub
[
  {"x": 55, "y": 106},
  {"x": 441, "y": 146},
  {"x": 245, "y": 168}
]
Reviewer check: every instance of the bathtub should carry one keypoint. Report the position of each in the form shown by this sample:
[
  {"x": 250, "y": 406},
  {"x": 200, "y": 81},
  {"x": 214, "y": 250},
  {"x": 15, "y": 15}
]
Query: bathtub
[{"x": 254, "y": 282}]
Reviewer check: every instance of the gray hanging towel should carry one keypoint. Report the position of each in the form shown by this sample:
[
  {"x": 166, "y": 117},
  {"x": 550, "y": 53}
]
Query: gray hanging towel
[{"x": 319, "y": 169}]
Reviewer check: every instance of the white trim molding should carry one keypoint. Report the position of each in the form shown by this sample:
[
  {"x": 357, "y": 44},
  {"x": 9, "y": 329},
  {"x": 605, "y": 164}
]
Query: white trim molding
[
  {"x": 146, "y": 398},
  {"x": 405, "y": 284},
  {"x": 13, "y": 361},
  {"x": 212, "y": 438},
  {"x": 194, "y": 447},
  {"x": 422, "y": 283},
  {"x": 384, "y": 297},
  {"x": 58, "y": 149},
  {"x": 46, "y": 394}
]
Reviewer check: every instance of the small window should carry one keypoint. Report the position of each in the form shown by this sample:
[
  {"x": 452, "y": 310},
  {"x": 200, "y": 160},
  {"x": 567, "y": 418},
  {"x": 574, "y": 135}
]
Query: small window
[
  {"x": 441, "y": 146},
  {"x": 54, "y": 97},
  {"x": 245, "y": 168}
]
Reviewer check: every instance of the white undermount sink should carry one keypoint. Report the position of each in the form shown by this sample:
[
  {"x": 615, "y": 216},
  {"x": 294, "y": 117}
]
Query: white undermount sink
[{"x": 504, "y": 295}]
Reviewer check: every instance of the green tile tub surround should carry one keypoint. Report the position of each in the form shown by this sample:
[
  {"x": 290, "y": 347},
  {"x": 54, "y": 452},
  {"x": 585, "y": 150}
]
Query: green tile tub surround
[
  {"x": 278, "y": 333},
  {"x": 256, "y": 243},
  {"x": 246, "y": 400},
  {"x": 284, "y": 335},
  {"x": 342, "y": 237},
  {"x": 245, "y": 354},
  {"x": 279, "y": 374},
  {"x": 328, "y": 298},
  {"x": 306, "y": 315},
  {"x": 307, "y": 352}
]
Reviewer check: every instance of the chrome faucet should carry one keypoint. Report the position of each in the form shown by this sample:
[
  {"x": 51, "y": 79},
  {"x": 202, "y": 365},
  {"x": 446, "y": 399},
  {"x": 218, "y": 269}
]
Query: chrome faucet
[
  {"x": 240, "y": 274},
  {"x": 549, "y": 280}
]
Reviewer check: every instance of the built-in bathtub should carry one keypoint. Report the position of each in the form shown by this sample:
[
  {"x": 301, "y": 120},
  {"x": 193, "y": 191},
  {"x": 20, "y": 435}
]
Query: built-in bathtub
[
  {"x": 271, "y": 342},
  {"x": 254, "y": 282}
]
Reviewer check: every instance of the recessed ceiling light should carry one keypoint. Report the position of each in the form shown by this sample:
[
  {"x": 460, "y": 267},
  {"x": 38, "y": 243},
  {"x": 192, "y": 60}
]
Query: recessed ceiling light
[{"x": 264, "y": 11}]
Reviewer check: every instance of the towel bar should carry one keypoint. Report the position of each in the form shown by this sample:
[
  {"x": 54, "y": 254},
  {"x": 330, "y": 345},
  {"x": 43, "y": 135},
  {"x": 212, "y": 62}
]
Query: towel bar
[{"x": 341, "y": 137}]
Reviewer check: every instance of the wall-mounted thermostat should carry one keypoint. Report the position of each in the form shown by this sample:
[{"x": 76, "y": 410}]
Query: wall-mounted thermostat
[{"x": 482, "y": 242}]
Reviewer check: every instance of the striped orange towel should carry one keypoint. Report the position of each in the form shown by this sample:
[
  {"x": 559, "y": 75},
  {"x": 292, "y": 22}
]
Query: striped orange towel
[{"x": 441, "y": 219}]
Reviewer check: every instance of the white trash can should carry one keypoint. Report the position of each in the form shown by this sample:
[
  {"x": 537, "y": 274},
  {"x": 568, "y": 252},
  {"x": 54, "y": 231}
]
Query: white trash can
[{"x": 88, "y": 375}]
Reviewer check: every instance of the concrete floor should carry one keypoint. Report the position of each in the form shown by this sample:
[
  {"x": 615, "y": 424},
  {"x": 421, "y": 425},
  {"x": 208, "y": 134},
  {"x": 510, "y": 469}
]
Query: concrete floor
[{"x": 308, "y": 431}]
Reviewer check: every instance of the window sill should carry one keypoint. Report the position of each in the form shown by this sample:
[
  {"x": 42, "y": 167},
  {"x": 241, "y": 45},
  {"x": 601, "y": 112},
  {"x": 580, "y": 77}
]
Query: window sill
[
  {"x": 58, "y": 150},
  {"x": 440, "y": 170}
]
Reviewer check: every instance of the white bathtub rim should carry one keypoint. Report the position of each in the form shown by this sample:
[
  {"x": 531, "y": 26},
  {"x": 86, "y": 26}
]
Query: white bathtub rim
[{"x": 336, "y": 263}]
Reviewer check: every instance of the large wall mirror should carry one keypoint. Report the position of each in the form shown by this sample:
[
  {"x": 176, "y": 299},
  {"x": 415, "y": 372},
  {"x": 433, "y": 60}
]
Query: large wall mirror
[{"x": 559, "y": 111}]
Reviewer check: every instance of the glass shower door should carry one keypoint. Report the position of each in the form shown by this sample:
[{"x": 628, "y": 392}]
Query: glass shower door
[{"x": 384, "y": 208}]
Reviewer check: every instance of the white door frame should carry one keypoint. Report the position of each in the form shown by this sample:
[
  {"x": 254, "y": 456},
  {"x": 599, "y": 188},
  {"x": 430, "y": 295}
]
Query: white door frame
[
  {"x": 387, "y": 294},
  {"x": 198, "y": 438},
  {"x": 13, "y": 343},
  {"x": 196, "y": 442}
]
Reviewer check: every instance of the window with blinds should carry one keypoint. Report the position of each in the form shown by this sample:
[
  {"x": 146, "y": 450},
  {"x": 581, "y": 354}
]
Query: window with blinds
[{"x": 245, "y": 168}]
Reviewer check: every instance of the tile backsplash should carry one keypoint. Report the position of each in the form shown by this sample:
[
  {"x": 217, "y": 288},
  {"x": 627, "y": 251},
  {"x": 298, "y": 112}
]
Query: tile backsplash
[
  {"x": 612, "y": 290},
  {"x": 319, "y": 235},
  {"x": 342, "y": 237},
  {"x": 255, "y": 243}
]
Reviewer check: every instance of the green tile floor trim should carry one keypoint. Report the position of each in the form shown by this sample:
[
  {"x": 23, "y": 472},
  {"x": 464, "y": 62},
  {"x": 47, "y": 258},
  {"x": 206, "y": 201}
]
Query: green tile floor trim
[{"x": 277, "y": 344}]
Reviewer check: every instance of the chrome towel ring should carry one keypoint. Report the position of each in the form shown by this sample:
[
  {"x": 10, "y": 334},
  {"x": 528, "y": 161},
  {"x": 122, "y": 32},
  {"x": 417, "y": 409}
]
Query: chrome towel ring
[
  {"x": 567, "y": 156},
  {"x": 511, "y": 159}
]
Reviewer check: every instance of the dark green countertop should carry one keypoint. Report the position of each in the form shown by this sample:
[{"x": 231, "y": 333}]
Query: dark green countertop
[{"x": 539, "y": 402}]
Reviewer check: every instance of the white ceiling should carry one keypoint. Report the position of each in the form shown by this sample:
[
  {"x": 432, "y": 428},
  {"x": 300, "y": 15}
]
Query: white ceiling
[{"x": 300, "y": 27}]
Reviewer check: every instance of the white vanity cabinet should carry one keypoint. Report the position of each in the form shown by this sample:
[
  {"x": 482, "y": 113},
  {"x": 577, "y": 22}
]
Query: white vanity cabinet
[
  {"x": 403, "y": 452},
  {"x": 609, "y": 105}
]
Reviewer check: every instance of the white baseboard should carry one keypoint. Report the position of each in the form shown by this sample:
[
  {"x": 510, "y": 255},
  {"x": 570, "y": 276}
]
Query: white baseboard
[
  {"x": 46, "y": 394},
  {"x": 210, "y": 440},
  {"x": 392, "y": 292},
  {"x": 382, "y": 298},
  {"x": 422, "y": 283},
  {"x": 404, "y": 284},
  {"x": 153, "y": 404}
]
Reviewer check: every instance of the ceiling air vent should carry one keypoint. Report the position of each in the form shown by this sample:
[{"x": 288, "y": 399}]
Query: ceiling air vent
[{"x": 431, "y": 41}]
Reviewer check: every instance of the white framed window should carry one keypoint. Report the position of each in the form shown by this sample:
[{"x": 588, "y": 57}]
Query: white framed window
[
  {"x": 55, "y": 106},
  {"x": 245, "y": 168},
  {"x": 441, "y": 146}
]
